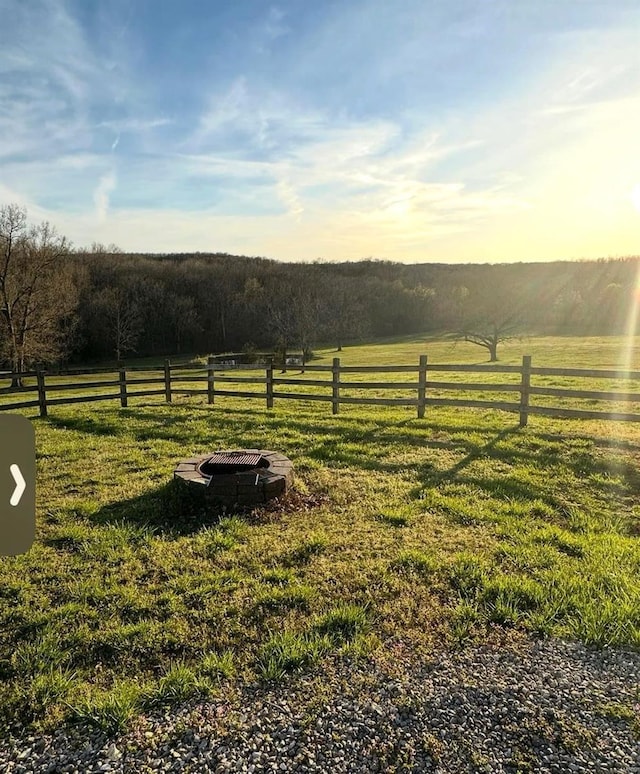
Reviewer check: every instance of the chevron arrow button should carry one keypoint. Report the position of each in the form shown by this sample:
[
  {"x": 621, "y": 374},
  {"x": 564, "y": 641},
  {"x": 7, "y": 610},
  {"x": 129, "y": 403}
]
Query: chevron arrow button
[
  {"x": 17, "y": 484},
  {"x": 20, "y": 485}
]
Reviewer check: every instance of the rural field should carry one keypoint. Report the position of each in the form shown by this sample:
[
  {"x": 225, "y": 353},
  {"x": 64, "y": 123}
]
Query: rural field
[{"x": 434, "y": 533}]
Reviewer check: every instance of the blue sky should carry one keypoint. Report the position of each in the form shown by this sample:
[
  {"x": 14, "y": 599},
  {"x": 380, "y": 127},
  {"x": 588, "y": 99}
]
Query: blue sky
[{"x": 492, "y": 130}]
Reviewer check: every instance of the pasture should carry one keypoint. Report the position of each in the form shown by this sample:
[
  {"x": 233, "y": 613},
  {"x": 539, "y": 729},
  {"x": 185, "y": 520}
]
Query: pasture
[{"x": 433, "y": 531}]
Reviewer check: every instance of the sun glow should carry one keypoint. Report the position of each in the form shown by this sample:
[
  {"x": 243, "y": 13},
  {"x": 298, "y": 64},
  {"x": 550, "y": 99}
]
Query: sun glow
[
  {"x": 635, "y": 197},
  {"x": 632, "y": 321}
]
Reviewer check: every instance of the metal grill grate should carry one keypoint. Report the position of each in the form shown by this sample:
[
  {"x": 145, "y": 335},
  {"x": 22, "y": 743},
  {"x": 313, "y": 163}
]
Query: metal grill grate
[{"x": 235, "y": 459}]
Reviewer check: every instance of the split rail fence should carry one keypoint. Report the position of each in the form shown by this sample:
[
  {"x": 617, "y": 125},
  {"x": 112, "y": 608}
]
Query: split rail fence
[{"x": 171, "y": 379}]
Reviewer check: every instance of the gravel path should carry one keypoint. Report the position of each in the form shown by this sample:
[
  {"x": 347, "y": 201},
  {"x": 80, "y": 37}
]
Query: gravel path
[{"x": 529, "y": 707}]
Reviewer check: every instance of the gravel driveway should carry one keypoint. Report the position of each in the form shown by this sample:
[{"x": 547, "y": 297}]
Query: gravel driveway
[{"x": 527, "y": 707}]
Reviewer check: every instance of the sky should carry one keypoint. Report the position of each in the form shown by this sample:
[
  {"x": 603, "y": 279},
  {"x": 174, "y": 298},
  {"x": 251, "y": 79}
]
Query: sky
[{"x": 415, "y": 131}]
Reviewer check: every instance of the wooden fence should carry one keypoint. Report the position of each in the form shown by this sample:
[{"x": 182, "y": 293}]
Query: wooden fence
[{"x": 169, "y": 380}]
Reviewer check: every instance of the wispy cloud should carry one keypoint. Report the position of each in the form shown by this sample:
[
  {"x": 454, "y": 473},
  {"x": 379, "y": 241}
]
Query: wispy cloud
[
  {"x": 274, "y": 26},
  {"x": 289, "y": 197},
  {"x": 133, "y": 124},
  {"x": 222, "y": 111},
  {"x": 417, "y": 132},
  {"x": 101, "y": 195}
]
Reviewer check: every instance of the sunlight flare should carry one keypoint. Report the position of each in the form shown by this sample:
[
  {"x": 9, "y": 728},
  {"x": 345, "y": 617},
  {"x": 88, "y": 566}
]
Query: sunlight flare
[{"x": 632, "y": 323}]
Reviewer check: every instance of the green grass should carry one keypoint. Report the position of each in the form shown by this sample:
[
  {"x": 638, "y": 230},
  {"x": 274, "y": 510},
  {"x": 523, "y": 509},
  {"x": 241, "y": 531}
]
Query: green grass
[
  {"x": 432, "y": 529},
  {"x": 343, "y": 623},
  {"x": 287, "y": 651},
  {"x": 398, "y": 517},
  {"x": 218, "y": 665}
]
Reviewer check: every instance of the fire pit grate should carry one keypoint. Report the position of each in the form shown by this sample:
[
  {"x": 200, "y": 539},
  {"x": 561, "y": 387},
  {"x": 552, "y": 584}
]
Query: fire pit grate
[
  {"x": 234, "y": 459},
  {"x": 237, "y": 477},
  {"x": 229, "y": 463}
]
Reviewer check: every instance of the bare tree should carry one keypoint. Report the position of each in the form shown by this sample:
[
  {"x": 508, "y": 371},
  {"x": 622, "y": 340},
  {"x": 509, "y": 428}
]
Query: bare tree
[
  {"x": 307, "y": 311},
  {"x": 293, "y": 310},
  {"x": 38, "y": 294},
  {"x": 486, "y": 317},
  {"x": 343, "y": 312},
  {"x": 283, "y": 324},
  {"x": 491, "y": 333},
  {"x": 119, "y": 311},
  {"x": 181, "y": 312}
]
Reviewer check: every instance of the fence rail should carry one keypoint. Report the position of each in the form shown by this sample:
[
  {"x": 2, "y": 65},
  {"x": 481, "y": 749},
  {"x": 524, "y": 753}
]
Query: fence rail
[{"x": 172, "y": 376}]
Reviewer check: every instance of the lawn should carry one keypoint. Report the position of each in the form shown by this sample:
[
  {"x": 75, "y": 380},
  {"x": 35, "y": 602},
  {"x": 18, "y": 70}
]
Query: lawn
[{"x": 437, "y": 531}]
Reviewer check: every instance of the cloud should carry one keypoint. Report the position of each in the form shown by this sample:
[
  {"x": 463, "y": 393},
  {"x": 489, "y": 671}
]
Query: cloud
[
  {"x": 289, "y": 197},
  {"x": 315, "y": 163},
  {"x": 9, "y": 195},
  {"x": 222, "y": 111},
  {"x": 49, "y": 78},
  {"x": 132, "y": 124},
  {"x": 101, "y": 195},
  {"x": 273, "y": 27},
  {"x": 366, "y": 141}
]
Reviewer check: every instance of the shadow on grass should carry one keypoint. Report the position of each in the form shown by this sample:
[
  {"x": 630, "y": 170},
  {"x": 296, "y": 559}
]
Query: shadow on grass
[
  {"x": 94, "y": 426},
  {"x": 365, "y": 443},
  {"x": 172, "y": 509},
  {"x": 146, "y": 425}
]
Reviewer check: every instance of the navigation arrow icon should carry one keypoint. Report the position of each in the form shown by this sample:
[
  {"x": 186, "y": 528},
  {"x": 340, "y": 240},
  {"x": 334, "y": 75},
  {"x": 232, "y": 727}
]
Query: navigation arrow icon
[
  {"x": 21, "y": 485},
  {"x": 17, "y": 483}
]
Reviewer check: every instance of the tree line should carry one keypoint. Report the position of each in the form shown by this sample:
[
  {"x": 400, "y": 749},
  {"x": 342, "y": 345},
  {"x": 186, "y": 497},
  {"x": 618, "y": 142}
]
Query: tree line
[{"x": 60, "y": 304}]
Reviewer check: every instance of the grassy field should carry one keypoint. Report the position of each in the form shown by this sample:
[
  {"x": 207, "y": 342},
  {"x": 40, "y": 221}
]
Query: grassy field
[{"x": 437, "y": 531}]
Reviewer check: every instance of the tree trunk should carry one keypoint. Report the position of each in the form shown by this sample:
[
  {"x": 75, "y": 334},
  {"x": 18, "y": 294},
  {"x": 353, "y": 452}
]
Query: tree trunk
[
  {"x": 493, "y": 351},
  {"x": 223, "y": 328},
  {"x": 18, "y": 368}
]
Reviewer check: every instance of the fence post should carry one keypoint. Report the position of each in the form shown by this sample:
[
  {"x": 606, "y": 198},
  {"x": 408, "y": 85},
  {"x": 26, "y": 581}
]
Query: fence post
[
  {"x": 422, "y": 386},
  {"x": 167, "y": 380},
  {"x": 42, "y": 392},
  {"x": 122, "y": 378},
  {"x": 524, "y": 390},
  {"x": 269, "y": 383},
  {"x": 210, "y": 380},
  {"x": 335, "y": 397}
]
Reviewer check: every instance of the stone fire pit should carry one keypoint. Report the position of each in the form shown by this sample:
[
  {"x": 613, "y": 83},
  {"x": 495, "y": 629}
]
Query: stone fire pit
[{"x": 237, "y": 476}]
